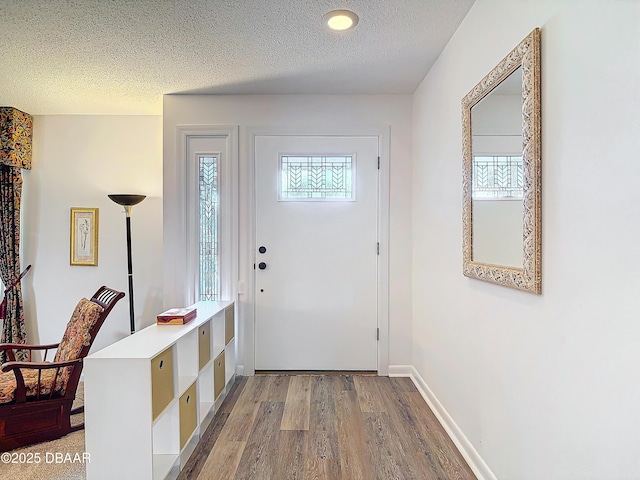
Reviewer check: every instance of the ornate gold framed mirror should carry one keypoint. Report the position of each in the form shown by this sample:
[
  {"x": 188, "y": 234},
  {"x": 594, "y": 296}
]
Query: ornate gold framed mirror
[{"x": 501, "y": 147}]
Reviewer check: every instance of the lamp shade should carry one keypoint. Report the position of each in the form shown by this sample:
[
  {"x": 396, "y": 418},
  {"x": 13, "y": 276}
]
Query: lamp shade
[{"x": 127, "y": 199}]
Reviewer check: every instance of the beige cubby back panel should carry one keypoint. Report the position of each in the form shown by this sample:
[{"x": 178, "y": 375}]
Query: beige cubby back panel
[
  {"x": 188, "y": 414},
  {"x": 228, "y": 324},
  {"x": 204, "y": 344},
  {"x": 162, "y": 391},
  {"x": 218, "y": 375}
]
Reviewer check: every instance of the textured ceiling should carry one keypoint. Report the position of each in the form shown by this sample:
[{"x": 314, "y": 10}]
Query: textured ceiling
[{"x": 121, "y": 56}]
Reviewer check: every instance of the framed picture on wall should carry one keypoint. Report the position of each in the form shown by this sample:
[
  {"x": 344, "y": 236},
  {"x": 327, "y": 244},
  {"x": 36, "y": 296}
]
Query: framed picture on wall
[{"x": 84, "y": 236}]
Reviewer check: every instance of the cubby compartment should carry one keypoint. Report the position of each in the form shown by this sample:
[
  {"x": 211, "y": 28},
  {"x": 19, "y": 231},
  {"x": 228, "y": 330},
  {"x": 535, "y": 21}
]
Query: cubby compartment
[
  {"x": 229, "y": 361},
  {"x": 187, "y": 351},
  {"x": 229, "y": 324},
  {"x": 188, "y": 414},
  {"x": 219, "y": 323},
  {"x": 162, "y": 381},
  {"x": 204, "y": 345},
  {"x": 218, "y": 375},
  {"x": 166, "y": 447},
  {"x": 205, "y": 394}
]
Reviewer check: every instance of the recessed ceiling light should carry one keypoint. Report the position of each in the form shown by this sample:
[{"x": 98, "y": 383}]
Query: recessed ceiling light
[{"x": 340, "y": 20}]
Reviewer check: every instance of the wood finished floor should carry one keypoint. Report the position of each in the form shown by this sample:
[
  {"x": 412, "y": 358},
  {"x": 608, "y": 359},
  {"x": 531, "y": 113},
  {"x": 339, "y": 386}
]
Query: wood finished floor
[{"x": 334, "y": 427}]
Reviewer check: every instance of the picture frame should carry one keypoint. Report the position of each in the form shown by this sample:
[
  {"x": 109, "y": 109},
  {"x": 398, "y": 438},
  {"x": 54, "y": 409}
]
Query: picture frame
[{"x": 84, "y": 236}]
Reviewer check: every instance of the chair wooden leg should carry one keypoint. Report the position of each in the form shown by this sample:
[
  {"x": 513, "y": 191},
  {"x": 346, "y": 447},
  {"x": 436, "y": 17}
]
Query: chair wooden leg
[
  {"x": 76, "y": 428},
  {"x": 79, "y": 426},
  {"x": 77, "y": 410}
]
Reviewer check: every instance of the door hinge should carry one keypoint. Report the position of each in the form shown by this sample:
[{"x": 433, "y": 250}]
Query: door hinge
[
  {"x": 378, "y": 248},
  {"x": 378, "y": 334},
  {"x": 378, "y": 163}
]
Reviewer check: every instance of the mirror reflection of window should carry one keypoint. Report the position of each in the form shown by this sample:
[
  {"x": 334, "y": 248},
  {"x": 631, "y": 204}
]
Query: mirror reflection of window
[
  {"x": 497, "y": 174},
  {"x": 497, "y": 178}
]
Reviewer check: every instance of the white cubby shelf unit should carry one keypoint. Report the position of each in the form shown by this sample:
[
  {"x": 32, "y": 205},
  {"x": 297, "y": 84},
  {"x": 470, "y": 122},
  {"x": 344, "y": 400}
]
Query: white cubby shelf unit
[{"x": 149, "y": 397}]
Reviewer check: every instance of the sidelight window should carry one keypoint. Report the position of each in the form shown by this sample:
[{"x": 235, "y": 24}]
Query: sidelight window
[{"x": 208, "y": 228}]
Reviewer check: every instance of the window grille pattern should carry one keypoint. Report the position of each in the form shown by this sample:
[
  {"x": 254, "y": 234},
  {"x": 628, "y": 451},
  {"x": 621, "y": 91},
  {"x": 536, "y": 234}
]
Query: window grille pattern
[
  {"x": 495, "y": 178},
  {"x": 208, "y": 211},
  {"x": 316, "y": 177}
]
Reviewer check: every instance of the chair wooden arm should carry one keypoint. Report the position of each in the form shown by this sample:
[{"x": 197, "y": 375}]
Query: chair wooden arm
[
  {"x": 39, "y": 365},
  {"x": 11, "y": 347},
  {"x": 21, "y": 389},
  {"x": 24, "y": 346}
]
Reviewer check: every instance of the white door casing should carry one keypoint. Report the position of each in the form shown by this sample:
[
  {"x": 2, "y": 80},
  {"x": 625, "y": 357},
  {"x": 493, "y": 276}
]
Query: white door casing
[
  {"x": 209, "y": 146},
  {"x": 316, "y": 302},
  {"x": 179, "y": 211}
]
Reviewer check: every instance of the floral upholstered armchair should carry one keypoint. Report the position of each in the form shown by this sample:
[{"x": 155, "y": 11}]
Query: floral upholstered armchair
[{"x": 36, "y": 397}]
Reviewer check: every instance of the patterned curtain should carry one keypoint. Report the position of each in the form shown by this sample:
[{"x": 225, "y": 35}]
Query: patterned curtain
[{"x": 13, "y": 330}]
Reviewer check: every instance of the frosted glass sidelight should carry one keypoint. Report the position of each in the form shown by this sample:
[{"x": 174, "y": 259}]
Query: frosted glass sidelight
[{"x": 208, "y": 212}]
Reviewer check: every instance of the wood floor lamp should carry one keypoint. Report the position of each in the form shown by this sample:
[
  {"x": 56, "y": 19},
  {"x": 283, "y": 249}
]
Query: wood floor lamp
[{"x": 128, "y": 201}]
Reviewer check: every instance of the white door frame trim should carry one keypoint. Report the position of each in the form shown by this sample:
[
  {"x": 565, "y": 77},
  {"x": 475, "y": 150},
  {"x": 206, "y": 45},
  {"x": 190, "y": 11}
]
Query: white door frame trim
[
  {"x": 178, "y": 282},
  {"x": 247, "y": 271}
]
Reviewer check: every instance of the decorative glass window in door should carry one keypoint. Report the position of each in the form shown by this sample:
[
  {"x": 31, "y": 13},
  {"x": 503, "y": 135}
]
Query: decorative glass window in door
[
  {"x": 497, "y": 178},
  {"x": 209, "y": 285},
  {"x": 317, "y": 177}
]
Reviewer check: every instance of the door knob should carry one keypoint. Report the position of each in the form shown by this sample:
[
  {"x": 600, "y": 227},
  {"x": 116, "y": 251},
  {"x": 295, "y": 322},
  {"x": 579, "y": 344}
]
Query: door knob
[
  {"x": 262, "y": 265},
  {"x": 262, "y": 249}
]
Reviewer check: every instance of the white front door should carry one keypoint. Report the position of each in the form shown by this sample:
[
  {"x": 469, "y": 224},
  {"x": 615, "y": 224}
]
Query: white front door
[{"x": 316, "y": 252}]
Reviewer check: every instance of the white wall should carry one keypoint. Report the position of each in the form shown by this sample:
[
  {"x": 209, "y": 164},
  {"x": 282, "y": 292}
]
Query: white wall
[
  {"x": 300, "y": 112},
  {"x": 77, "y": 161},
  {"x": 544, "y": 387}
]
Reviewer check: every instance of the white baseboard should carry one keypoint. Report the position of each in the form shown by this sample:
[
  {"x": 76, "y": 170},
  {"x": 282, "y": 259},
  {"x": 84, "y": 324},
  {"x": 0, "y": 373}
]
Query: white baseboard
[
  {"x": 467, "y": 450},
  {"x": 400, "y": 370},
  {"x": 240, "y": 370}
]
